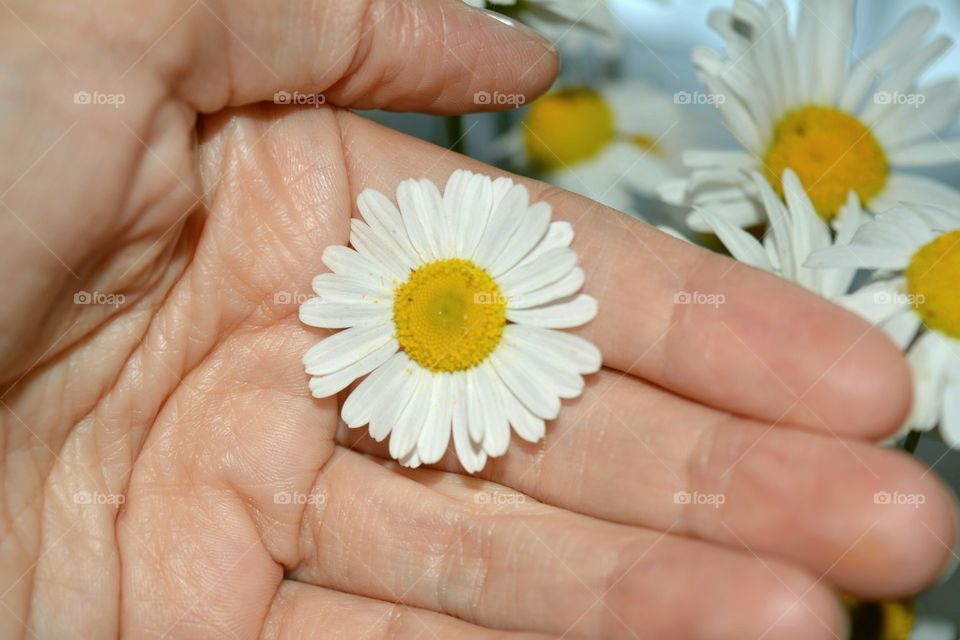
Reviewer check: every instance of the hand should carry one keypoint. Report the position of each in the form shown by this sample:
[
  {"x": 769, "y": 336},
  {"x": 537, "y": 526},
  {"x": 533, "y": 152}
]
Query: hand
[{"x": 167, "y": 473}]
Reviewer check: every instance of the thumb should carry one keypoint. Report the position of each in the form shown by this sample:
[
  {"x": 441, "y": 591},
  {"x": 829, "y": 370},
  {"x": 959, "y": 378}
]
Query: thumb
[{"x": 438, "y": 56}]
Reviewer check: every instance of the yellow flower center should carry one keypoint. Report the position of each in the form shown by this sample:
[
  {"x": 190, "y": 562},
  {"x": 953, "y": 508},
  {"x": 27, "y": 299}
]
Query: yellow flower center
[
  {"x": 932, "y": 278},
  {"x": 567, "y": 127},
  {"x": 449, "y": 315},
  {"x": 831, "y": 152}
]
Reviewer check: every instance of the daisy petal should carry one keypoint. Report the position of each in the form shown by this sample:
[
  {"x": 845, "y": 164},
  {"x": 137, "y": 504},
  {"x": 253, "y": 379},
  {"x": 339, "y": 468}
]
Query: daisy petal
[
  {"x": 347, "y": 262},
  {"x": 405, "y": 434},
  {"x": 571, "y": 351},
  {"x": 565, "y": 286},
  {"x": 317, "y": 312},
  {"x": 928, "y": 360},
  {"x": 343, "y": 348},
  {"x": 384, "y": 218},
  {"x": 421, "y": 207},
  {"x": 522, "y": 382},
  {"x": 435, "y": 435},
  {"x": 328, "y": 385},
  {"x": 528, "y": 426},
  {"x": 572, "y": 313},
  {"x": 388, "y": 406},
  {"x": 470, "y": 453},
  {"x": 374, "y": 391},
  {"x": 540, "y": 272},
  {"x": 533, "y": 227},
  {"x": 496, "y": 435}
]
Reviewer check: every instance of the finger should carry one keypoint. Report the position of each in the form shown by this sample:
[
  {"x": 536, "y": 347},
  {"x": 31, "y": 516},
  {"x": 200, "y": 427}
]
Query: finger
[
  {"x": 762, "y": 347},
  {"x": 501, "y": 562},
  {"x": 302, "y": 611},
  {"x": 423, "y": 55},
  {"x": 629, "y": 452}
]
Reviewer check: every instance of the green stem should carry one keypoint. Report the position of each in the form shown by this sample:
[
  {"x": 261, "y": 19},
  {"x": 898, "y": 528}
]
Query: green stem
[
  {"x": 455, "y": 135},
  {"x": 910, "y": 444}
]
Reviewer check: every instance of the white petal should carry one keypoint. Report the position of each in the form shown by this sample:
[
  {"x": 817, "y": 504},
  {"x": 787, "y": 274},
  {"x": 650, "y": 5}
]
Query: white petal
[
  {"x": 435, "y": 435},
  {"x": 504, "y": 220},
  {"x": 539, "y": 272},
  {"x": 741, "y": 245},
  {"x": 476, "y": 404},
  {"x": 925, "y": 154},
  {"x": 384, "y": 218},
  {"x": 407, "y": 430},
  {"x": 468, "y": 208},
  {"x": 902, "y": 187},
  {"x": 317, "y": 312},
  {"x": 950, "y": 420},
  {"x": 559, "y": 234},
  {"x": 528, "y": 426},
  {"x": 496, "y": 434},
  {"x": 520, "y": 380},
  {"x": 377, "y": 249},
  {"x": 565, "y": 286},
  {"x": 334, "y": 287},
  {"x": 343, "y": 348},
  {"x": 928, "y": 360},
  {"x": 374, "y": 392},
  {"x": 573, "y": 313},
  {"x": 397, "y": 394},
  {"x": 571, "y": 351},
  {"x": 532, "y": 229},
  {"x": 328, "y": 385},
  {"x": 560, "y": 378},
  {"x": 470, "y": 453},
  {"x": 876, "y": 302},
  {"x": 421, "y": 207},
  {"x": 347, "y": 262}
]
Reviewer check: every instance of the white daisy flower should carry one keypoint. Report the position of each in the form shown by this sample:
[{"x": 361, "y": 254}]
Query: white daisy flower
[
  {"x": 609, "y": 144},
  {"x": 795, "y": 230},
  {"x": 576, "y": 26},
  {"x": 794, "y": 101},
  {"x": 914, "y": 296},
  {"x": 451, "y": 303}
]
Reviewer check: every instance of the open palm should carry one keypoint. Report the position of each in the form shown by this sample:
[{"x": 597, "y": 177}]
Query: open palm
[{"x": 167, "y": 473}]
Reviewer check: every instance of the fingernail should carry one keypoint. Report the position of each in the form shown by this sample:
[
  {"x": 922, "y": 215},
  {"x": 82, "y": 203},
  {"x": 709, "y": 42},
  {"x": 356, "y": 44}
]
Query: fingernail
[{"x": 519, "y": 26}]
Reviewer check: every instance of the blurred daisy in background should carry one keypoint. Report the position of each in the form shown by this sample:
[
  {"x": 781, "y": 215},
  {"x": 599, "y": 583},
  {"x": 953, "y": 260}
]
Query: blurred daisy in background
[
  {"x": 610, "y": 144},
  {"x": 914, "y": 297},
  {"x": 794, "y": 231},
  {"x": 450, "y": 302},
  {"x": 794, "y": 101}
]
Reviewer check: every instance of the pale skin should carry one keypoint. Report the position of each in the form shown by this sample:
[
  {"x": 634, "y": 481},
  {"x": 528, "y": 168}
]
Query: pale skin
[{"x": 187, "y": 403}]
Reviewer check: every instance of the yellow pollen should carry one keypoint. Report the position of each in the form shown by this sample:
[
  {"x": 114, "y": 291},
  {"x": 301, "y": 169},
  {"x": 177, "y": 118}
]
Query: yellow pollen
[
  {"x": 450, "y": 315},
  {"x": 567, "y": 127},
  {"x": 831, "y": 152},
  {"x": 932, "y": 279}
]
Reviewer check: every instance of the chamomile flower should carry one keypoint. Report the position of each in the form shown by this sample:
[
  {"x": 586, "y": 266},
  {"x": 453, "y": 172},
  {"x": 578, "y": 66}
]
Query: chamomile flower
[
  {"x": 914, "y": 297},
  {"x": 795, "y": 230},
  {"x": 451, "y": 303},
  {"x": 609, "y": 144},
  {"x": 794, "y": 101}
]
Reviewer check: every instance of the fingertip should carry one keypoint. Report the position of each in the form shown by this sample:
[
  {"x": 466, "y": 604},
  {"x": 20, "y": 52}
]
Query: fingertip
[{"x": 868, "y": 382}]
